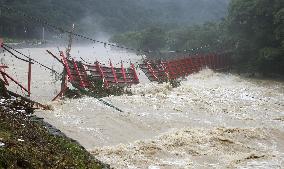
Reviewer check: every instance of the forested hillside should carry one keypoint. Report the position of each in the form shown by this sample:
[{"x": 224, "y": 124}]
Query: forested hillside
[
  {"x": 253, "y": 30},
  {"x": 111, "y": 16}
]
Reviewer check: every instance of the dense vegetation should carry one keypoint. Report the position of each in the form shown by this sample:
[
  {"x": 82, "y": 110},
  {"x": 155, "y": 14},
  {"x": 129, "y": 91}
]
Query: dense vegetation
[
  {"x": 111, "y": 16},
  {"x": 256, "y": 29},
  {"x": 253, "y": 30}
]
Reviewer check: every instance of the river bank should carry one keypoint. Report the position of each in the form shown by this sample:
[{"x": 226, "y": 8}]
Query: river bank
[{"x": 28, "y": 142}]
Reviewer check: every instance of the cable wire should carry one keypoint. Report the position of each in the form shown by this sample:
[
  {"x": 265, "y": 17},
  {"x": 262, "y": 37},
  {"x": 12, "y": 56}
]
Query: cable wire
[
  {"x": 4, "y": 45},
  {"x": 38, "y": 20}
]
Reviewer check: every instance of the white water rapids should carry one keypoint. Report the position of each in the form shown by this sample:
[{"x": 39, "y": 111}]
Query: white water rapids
[{"x": 213, "y": 120}]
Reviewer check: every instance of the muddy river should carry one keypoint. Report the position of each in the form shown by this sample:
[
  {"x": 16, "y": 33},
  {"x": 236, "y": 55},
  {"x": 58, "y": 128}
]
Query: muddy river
[{"x": 213, "y": 120}]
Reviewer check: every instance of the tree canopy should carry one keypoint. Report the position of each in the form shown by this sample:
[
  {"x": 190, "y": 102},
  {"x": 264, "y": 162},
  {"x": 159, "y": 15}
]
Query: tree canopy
[{"x": 256, "y": 28}]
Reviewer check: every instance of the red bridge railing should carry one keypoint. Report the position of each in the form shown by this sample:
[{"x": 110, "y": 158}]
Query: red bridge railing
[
  {"x": 6, "y": 77},
  {"x": 82, "y": 74},
  {"x": 113, "y": 75},
  {"x": 166, "y": 70},
  {"x": 76, "y": 72}
]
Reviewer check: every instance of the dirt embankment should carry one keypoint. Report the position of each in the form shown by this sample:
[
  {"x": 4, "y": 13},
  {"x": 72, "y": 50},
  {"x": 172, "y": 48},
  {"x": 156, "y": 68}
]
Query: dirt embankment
[{"x": 28, "y": 142}]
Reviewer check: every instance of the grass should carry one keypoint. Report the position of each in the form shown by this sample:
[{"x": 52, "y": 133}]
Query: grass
[{"x": 29, "y": 145}]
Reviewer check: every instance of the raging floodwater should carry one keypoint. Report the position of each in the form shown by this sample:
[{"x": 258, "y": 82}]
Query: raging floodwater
[{"x": 213, "y": 120}]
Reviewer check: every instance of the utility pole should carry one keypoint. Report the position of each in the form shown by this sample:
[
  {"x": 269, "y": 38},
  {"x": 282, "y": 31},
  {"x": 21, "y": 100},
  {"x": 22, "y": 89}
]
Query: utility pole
[
  {"x": 68, "y": 55},
  {"x": 68, "y": 50},
  {"x": 43, "y": 34}
]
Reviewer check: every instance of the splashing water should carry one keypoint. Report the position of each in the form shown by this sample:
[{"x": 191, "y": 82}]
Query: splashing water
[
  {"x": 213, "y": 120},
  {"x": 197, "y": 148}
]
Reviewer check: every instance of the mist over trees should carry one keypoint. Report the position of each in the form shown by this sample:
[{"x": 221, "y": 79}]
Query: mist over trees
[
  {"x": 252, "y": 29},
  {"x": 110, "y": 16}
]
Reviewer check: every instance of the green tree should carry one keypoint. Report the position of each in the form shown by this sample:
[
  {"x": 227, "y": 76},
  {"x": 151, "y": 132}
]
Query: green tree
[
  {"x": 153, "y": 39},
  {"x": 256, "y": 27}
]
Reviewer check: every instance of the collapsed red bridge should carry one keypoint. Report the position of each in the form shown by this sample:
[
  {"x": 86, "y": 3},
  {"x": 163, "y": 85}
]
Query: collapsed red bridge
[
  {"x": 83, "y": 74},
  {"x": 162, "y": 71},
  {"x": 86, "y": 76}
]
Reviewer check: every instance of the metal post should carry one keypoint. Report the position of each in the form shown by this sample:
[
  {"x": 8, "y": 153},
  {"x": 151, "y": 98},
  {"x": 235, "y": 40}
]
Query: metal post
[
  {"x": 82, "y": 84},
  {"x": 123, "y": 73},
  {"x": 63, "y": 88},
  {"x": 151, "y": 70},
  {"x": 189, "y": 66},
  {"x": 65, "y": 62},
  {"x": 171, "y": 72},
  {"x": 100, "y": 70},
  {"x": 134, "y": 73},
  {"x": 166, "y": 70},
  {"x": 68, "y": 50},
  {"x": 194, "y": 69},
  {"x": 113, "y": 72},
  {"x": 29, "y": 77},
  {"x": 43, "y": 34}
]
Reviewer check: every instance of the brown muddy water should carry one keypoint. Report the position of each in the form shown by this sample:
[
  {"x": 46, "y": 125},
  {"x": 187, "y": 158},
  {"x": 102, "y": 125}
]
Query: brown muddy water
[{"x": 213, "y": 120}]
